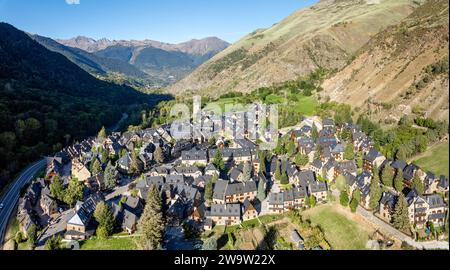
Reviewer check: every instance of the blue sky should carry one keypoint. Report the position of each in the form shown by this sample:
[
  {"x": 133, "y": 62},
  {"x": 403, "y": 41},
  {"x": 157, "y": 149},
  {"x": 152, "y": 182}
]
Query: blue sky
[{"x": 170, "y": 21}]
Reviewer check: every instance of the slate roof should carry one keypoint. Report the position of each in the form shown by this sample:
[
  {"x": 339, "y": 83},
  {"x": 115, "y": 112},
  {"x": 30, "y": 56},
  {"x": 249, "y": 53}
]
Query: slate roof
[
  {"x": 389, "y": 199},
  {"x": 443, "y": 182},
  {"x": 317, "y": 163},
  {"x": 226, "y": 210},
  {"x": 220, "y": 189},
  {"x": 239, "y": 188},
  {"x": 409, "y": 171},
  {"x": 435, "y": 201},
  {"x": 317, "y": 186},
  {"x": 174, "y": 179},
  {"x": 276, "y": 198},
  {"x": 398, "y": 164},
  {"x": 193, "y": 155},
  {"x": 372, "y": 155}
]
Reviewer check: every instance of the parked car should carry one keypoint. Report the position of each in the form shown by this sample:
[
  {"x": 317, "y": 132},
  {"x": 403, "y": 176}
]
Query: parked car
[{"x": 1, "y": 206}]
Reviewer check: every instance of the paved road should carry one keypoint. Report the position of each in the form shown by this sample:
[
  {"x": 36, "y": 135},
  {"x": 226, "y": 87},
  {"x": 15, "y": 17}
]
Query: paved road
[{"x": 11, "y": 197}]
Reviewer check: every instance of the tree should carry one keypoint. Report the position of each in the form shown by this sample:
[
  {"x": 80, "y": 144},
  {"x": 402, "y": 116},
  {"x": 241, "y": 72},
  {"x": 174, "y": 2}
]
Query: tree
[
  {"x": 134, "y": 165},
  {"x": 57, "y": 188},
  {"x": 318, "y": 152},
  {"x": 209, "y": 192},
  {"x": 349, "y": 153},
  {"x": 159, "y": 155},
  {"x": 343, "y": 199},
  {"x": 291, "y": 148},
  {"x": 247, "y": 171},
  {"x": 356, "y": 198},
  {"x": 398, "y": 181},
  {"x": 53, "y": 243},
  {"x": 105, "y": 218},
  {"x": 210, "y": 244},
  {"x": 284, "y": 178},
  {"x": 359, "y": 159},
  {"x": 387, "y": 176},
  {"x": 218, "y": 161},
  {"x": 375, "y": 192},
  {"x": 401, "y": 153},
  {"x": 74, "y": 192},
  {"x": 96, "y": 167},
  {"x": 262, "y": 161},
  {"x": 400, "y": 217},
  {"x": 418, "y": 184},
  {"x": 102, "y": 133},
  {"x": 312, "y": 201},
  {"x": 341, "y": 183},
  {"x": 278, "y": 171},
  {"x": 301, "y": 160},
  {"x": 262, "y": 191},
  {"x": 32, "y": 235},
  {"x": 110, "y": 176},
  {"x": 315, "y": 238},
  {"x": 314, "y": 132},
  {"x": 152, "y": 223}
]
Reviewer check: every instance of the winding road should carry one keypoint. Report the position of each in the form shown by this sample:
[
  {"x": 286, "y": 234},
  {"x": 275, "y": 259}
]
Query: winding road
[{"x": 11, "y": 197}]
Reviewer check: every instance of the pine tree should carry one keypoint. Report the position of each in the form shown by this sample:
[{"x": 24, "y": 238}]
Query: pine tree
[
  {"x": 291, "y": 148},
  {"x": 104, "y": 216},
  {"x": 159, "y": 155},
  {"x": 134, "y": 165},
  {"x": 356, "y": 198},
  {"x": 301, "y": 160},
  {"x": 209, "y": 192},
  {"x": 218, "y": 160},
  {"x": 152, "y": 223},
  {"x": 418, "y": 184},
  {"x": 400, "y": 217},
  {"x": 314, "y": 132},
  {"x": 375, "y": 192},
  {"x": 387, "y": 176},
  {"x": 278, "y": 171},
  {"x": 284, "y": 178},
  {"x": 318, "y": 152},
  {"x": 349, "y": 153},
  {"x": 57, "y": 188},
  {"x": 102, "y": 133},
  {"x": 247, "y": 172},
  {"x": 262, "y": 161},
  {"x": 262, "y": 193},
  {"x": 96, "y": 167},
  {"x": 398, "y": 181},
  {"x": 110, "y": 176}
]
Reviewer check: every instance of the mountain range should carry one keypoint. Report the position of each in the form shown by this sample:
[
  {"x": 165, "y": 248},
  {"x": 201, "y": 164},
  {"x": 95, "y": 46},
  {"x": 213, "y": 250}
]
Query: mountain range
[
  {"x": 47, "y": 101},
  {"x": 325, "y": 35},
  {"x": 149, "y": 62},
  {"x": 377, "y": 53}
]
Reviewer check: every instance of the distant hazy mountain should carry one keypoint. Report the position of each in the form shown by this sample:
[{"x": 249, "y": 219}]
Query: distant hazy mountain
[
  {"x": 48, "y": 101},
  {"x": 325, "y": 35},
  {"x": 163, "y": 63}
]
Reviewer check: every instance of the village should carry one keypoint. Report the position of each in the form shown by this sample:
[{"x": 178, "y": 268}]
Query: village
[{"x": 223, "y": 180}]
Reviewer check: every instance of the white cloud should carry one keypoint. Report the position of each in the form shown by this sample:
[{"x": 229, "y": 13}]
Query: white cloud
[{"x": 73, "y": 2}]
